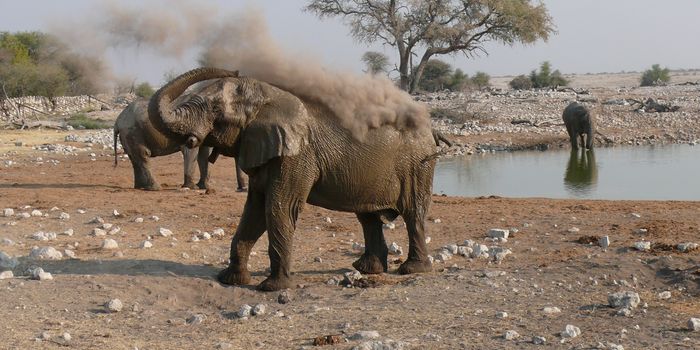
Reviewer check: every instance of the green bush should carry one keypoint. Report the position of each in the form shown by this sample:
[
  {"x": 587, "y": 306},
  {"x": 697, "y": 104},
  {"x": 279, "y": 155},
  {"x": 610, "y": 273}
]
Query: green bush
[
  {"x": 480, "y": 79},
  {"x": 144, "y": 90},
  {"x": 546, "y": 78},
  {"x": 82, "y": 121},
  {"x": 521, "y": 82},
  {"x": 655, "y": 76}
]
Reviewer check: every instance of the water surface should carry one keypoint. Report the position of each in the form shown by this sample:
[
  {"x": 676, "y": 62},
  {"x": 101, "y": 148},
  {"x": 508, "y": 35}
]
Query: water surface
[{"x": 670, "y": 172}]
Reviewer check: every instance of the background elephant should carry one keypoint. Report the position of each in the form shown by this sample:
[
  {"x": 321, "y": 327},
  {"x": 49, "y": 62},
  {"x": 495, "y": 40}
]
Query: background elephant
[
  {"x": 579, "y": 121},
  {"x": 295, "y": 151},
  {"x": 141, "y": 141}
]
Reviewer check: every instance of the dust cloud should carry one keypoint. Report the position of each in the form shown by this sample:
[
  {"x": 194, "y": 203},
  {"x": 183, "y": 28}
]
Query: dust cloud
[{"x": 241, "y": 41}]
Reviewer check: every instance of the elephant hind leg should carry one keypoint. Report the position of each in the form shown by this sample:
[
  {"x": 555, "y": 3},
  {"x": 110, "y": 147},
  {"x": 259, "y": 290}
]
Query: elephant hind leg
[
  {"x": 143, "y": 179},
  {"x": 374, "y": 259},
  {"x": 417, "y": 260}
]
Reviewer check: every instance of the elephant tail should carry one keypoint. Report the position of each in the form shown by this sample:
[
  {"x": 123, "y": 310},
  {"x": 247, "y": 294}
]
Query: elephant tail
[
  {"x": 116, "y": 136},
  {"x": 438, "y": 137}
]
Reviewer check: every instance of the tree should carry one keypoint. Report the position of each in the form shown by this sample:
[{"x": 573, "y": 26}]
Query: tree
[
  {"x": 480, "y": 79},
  {"x": 438, "y": 27},
  {"x": 521, "y": 82},
  {"x": 546, "y": 78},
  {"x": 436, "y": 76},
  {"x": 376, "y": 62},
  {"x": 655, "y": 76},
  {"x": 459, "y": 80}
]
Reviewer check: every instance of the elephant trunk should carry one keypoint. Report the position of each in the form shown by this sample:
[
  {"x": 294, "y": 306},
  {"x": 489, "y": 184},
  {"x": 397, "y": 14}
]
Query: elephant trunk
[{"x": 160, "y": 111}]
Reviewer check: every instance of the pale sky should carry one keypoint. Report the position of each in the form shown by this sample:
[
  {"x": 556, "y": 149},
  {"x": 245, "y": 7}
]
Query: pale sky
[{"x": 592, "y": 36}]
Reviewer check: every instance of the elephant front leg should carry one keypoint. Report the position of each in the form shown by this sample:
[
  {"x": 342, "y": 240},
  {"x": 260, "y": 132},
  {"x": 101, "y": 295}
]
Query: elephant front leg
[
  {"x": 417, "y": 260},
  {"x": 281, "y": 223},
  {"x": 374, "y": 259},
  {"x": 188, "y": 157},
  {"x": 142, "y": 175},
  {"x": 203, "y": 162},
  {"x": 249, "y": 230}
]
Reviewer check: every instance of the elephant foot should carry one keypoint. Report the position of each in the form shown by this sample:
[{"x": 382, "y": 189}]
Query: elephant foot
[
  {"x": 242, "y": 189},
  {"x": 415, "y": 266},
  {"x": 151, "y": 187},
  {"x": 232, "y": 277},
  {"x": 369, "y": 264},
  {"x": 189, "y": 185},
  {"x": 271, "y": 284},
  {"x": 202, "y": 185}
]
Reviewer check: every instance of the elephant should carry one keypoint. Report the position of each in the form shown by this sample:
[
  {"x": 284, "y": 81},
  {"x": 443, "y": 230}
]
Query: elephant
[
  {"x": 581, "y": 172},
  {"x": 141, "y": 141},
  {"x": 295, "y": 151},
  {"x": 578, "y": 121}
]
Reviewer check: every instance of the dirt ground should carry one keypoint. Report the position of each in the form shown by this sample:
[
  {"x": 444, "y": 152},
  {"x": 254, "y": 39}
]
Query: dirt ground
[{"x": 456, "y": 306}]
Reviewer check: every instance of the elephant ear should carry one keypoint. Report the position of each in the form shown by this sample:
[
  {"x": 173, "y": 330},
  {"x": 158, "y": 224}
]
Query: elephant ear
[{"x": 280, "y": 128}]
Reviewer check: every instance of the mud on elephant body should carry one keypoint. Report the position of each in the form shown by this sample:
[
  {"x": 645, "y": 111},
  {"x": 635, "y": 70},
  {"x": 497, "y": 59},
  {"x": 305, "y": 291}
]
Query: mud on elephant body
[
  {"x": 141, "y": 141},
  {"x": 578, "y": 121},
  {"x": 295, "y": 151}
]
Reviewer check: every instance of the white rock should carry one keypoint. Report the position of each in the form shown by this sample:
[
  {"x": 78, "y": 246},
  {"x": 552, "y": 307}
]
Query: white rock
[
  {"x": 36, "y": 212},
  {"x": 206, "y": 236},
  {"x": 642, "y": 245},
  {"x": 6, "y": 275},
  {"x": 469, "y": 243},
  {"x": 480, "y": 251},
  {"x": 115, "y": 213},
  {"x": 687, "y": 247},
  {"x": 452, "y": 248},
  {"x": 114, "y": 230},
  {"x": 389, "y": 225},
  {"x": 259, "y": 309},
  {"x": 627, "y": 299},
  {"x": 39, "y": 274},
  {"x": 218, "y": 232},
  {"x": 437, "y": 221},
  {"x": 146, "y": 244},
  {"x": 97, "y": 232},
  {"x": 694, "y": 324},
  {"x": 109, "y": 244},
  {"x": 641, "y": 231},
  {"x": 537, "y": 340},
  {"x": 464, "y": 251},
  {"x": 443, "y": 255},
  {"x": 45, "y": 253},
  {"x": 245, "y": 311},
  {"x": 570, "y": 331},
  {"x": 138, "y": 220},
  {"x": 66, "y": 336},
  {"x": 551, "y": 310},
  {"x": 196, "y": 319},
  {"x": 511, "y": 335},
  {"x": 498, "y": 233},
  {"x": 24, "y": 215},
  {"x": 573, "y": 230},
  {"x": 154, "y": 218},
  {"x": 44, "y": 236},
  {"x": 502, "y": 314},
  {"x": 364, "y": 335},
  {"x": 427, "y": 240},
  {"x": 604, "y": 242},
  {"x": 7, "y": 212},
  {"x": 395, "y": 249},
  {"x": 96, "y": 220},
  {"x": 81, "y": 211},
  {"x": 162, "y": 231},
  {"x": 328, "y": 220},
  {"x": 69, "y": 253},
  {"x": 664, "y": 295},
  {"x": 114, "y": 305},
  {"x": 64, "y": 216},
  {"x": 499, "y": 253},
  {"x": 106, "y": 226},
  {"x": 635, "y": 215}
]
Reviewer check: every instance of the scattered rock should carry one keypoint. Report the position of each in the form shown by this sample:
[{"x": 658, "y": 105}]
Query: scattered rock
[
  {"x": 45, "y": 253},
  {"x": 635, "y": 215},
  {"x": 196, "y": 319},
  {"x": 626, "y": 299},
  {"x": 480, "y": 251},
  {"x": 116, "y": 214},
  {"x": 109, "y": 244},
  {"x": 138, "y": 220},
  {"x": 36, "y": 213},
  {"x": 44, "y": 236},
  {"x": 328, "y": 220},
  {"x": 154, "y": 218},
  {"x": 24, "y": 215},
  {"x": 6, "y": 275},
  {"x": 387, "y": 344},
  {"x": 664, "y": 295},
  {"x": 502, "y": 314},
  {"x": 164, "y": 232},
  {"x": 511, "y": 335},
  {"x": 68, "y": 232},
  {"x": 66, "y": 336},
  {"x": 64, "y": 216},
  {"x": 499, "y": 253},
  {"x": 96, "y": 220},
  {"x": 395, "y": 249},
  {"x": 452, "y": 248},
  {"x": 7, "y": 241},
  {"x": 98, "y": 232},
  {"x": 687, "y": 247},
  {"x": 244, "y": 311},
  {"x": 218, "y": 233},
  {"x": 389, "y": 225},
  {"x": 7, "y": 262},
  {"x": 8, "y": 212},
  {"x": 537, "y": 340},
  {"x": 498, "y": 233},
  {"x": 39, "y": 274},
  {"x": 604, "y": 242},
  {"x": 694, "y": 324},
  {"x": 573, "y": 230},
  {"x": 349, "y": 278},
  {"x": 642, "y": 245},
  {"x": 114, "y": 305},
  {"x": 551, "y": 310},
  {"x": 259, "y": 309},
  {"x": 570, "y": 331},
  {"x": 364, "y": 335},
  {"x": 146, "y": 244},
  {"x": 69, "y": 253},
  {"x": 464, "y": 251},
  {"x": 283, "y": 297}
]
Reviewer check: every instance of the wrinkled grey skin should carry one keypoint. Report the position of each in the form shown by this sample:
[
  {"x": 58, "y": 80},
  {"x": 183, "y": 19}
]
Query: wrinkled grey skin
[
  {"x": 141, "y": 141},
  {"x": 295, "y": 151},
  {"x": 579, "y": 121}
]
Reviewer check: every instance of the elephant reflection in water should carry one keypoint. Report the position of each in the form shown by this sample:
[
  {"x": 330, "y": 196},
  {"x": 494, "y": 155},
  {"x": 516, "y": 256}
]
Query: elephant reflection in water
[{"x": 581, "y": 172}]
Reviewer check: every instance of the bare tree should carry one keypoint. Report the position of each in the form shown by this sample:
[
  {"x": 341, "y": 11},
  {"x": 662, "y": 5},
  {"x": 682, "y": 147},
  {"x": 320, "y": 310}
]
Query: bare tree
[
  {"x": 438, "y": 27},
  {"x": 376, "y": 62}
]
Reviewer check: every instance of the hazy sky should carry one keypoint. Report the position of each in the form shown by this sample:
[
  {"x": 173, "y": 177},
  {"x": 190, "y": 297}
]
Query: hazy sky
[{"x": 592, "y": 36}]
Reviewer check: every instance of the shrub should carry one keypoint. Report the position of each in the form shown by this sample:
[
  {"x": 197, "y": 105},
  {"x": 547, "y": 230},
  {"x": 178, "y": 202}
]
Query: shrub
[
  {"x": 655, "y": 76},
  {"x": 481, "y": 79},
  {"x": 521, "y": 82},
  {"x": 144, "y": 90},
  {"x": 546, "y": 78},
  {"x": 82, "y": 121}
]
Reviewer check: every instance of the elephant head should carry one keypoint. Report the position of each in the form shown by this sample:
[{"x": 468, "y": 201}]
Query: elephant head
[{"x": 239, "y": 116}]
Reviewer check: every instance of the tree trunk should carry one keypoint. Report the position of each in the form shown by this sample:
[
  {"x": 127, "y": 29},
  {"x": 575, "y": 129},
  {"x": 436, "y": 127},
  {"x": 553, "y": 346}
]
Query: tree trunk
[
  {"x": 404, "y": 77},
  {"x": 419, "y": 72}
]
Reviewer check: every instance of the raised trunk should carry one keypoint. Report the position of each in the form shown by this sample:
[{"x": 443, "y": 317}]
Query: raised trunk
[{"x": 160, "y": 112}]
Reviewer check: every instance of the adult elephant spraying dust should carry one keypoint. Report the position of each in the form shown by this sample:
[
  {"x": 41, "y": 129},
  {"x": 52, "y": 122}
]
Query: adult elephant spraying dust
[
  {"x": 141, "y": 141},
  {"x": 295, "y": 151},
  {"x": 578, "y": 121}
]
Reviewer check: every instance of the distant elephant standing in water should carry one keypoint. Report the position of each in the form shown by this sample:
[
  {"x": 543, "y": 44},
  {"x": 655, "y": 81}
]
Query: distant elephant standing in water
[
  {"x": 579, "y": 121},
  {"x": 141, "y": 141},
  {"x": 581, "y": 171}
]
